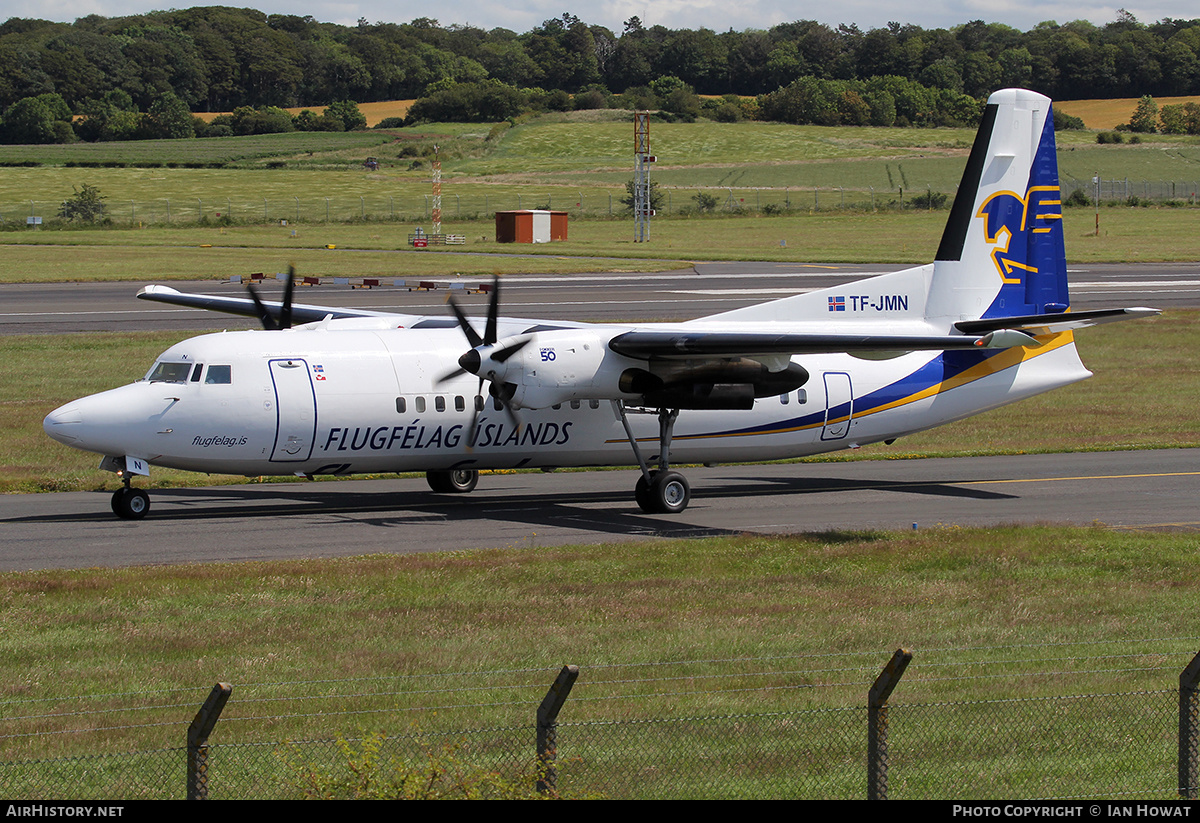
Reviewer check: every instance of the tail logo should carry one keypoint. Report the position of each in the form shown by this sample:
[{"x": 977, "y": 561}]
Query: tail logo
[{"x": 1012, "y": 224}]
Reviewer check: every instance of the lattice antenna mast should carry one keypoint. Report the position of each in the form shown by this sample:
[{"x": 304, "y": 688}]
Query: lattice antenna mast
[
  {"x": 437, "y": 192},
  {"x": 642, "y": 206}
]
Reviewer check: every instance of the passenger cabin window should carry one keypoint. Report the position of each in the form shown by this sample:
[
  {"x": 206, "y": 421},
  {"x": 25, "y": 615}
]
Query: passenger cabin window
[
  {"x": 420, "y": 404},
  {"x": 222, "y": 375},
  {"x": 170, "y": 373}
]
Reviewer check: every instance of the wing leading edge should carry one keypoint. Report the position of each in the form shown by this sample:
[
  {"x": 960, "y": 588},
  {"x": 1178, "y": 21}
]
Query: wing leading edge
[{"x": 245, "y": 307}]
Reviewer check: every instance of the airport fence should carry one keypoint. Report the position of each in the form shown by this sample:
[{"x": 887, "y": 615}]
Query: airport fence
[{"x": 1002, "y": 722}]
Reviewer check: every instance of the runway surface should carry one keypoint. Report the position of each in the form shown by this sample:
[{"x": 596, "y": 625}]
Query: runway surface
[
  {"x": 707, "y": 288},
  {"x": 1151, "y": 490}
]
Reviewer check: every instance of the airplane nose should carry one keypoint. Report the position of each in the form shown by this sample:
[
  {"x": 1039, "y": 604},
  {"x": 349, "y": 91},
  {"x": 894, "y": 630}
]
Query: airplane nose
[{"x": 64, "y": 424}]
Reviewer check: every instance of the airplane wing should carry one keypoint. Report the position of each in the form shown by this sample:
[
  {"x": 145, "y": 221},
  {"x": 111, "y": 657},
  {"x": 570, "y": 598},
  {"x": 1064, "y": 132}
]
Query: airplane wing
[
  {"x": 669, "y": 344},
  {"x": 245, "y": 307},
  {"x": 1052, "y": 323}
]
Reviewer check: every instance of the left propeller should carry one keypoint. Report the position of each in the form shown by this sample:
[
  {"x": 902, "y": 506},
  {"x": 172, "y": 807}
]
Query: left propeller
[{"x": 269, "y": 321}]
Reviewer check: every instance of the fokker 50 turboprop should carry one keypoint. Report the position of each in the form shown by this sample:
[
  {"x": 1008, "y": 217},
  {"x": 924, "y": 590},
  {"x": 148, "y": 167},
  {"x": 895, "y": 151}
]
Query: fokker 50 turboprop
[{"x": 339, "y": 392}]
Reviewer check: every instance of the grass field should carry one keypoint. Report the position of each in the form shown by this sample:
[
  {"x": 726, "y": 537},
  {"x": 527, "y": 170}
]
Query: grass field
[
  {"x": 583, "y": 150},
  {"x": 370, "y": 249},
  {"x": 712, "y": 628}
]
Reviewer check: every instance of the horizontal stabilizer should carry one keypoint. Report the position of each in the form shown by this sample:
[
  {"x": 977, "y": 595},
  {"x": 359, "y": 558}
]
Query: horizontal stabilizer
[{"x": 1053, "y": 323}]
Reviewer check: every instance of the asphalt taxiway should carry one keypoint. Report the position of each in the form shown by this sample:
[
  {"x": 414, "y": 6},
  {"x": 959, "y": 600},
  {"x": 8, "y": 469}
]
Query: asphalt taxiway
[{"x": 1144, "y": 490}]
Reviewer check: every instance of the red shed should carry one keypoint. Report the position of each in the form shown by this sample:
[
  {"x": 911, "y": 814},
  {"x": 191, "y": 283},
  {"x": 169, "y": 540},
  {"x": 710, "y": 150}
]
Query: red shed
[{"x": 530, "y": 226}]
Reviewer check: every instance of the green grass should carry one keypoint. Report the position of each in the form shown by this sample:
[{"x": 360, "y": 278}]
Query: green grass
[
  {"x": 562, "y": 153},
  {"x": 711, "y": 628},
  {"x": 886, "y": 237},
  {"x": 301, "y": 147}
]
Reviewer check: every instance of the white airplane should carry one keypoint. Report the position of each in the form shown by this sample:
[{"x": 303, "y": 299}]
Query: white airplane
[{"x": 324, "y": 391}]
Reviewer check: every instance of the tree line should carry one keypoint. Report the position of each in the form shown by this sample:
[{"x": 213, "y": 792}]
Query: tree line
[{"x": 223, "y": 59}]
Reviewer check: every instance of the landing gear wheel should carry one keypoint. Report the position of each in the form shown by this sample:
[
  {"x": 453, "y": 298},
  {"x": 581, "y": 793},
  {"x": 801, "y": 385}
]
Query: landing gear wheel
[
  {"x": 130, "y": 504},
  {"x": 667, "y": 492},
  {"x": 456, "y": 481}
]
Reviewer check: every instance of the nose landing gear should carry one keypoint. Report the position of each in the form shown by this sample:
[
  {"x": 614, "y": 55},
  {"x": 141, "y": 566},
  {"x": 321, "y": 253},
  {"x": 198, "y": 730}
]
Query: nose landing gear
[{"x": 129, "y": 503}]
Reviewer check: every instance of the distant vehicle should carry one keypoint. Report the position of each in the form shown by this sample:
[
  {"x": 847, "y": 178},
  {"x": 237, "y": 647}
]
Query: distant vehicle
[{"x": 325, "y": 391}]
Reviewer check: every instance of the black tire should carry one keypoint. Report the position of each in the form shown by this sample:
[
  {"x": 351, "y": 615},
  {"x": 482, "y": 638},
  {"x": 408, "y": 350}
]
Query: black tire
[
  {"x": 130, "y": 504},
  {"x": 455, "y": 481},
  {"x": 667, "y": 493},
  {"x": 643, "y": 496}
]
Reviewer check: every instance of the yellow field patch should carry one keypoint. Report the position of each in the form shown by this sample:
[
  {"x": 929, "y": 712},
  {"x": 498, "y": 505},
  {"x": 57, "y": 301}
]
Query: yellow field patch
[
  {"x": 1108, "y": 114},
  {"x": 374, "y": 112}
]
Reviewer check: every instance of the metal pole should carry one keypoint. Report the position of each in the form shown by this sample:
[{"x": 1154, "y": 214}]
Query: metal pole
[
  {"x": 877, "y": 723},
  {"x": 547, "y": 727},
  {"x": 1189, "y": 728},
  {"x": 197, "y": 740}
]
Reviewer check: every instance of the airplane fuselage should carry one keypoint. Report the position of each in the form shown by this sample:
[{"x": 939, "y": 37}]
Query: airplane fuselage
[{"x": 313, "y": 402}]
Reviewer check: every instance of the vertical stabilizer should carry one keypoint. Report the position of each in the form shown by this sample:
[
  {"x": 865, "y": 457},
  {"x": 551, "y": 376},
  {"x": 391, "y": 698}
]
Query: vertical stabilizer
[{"x": 1002, "y": 254}]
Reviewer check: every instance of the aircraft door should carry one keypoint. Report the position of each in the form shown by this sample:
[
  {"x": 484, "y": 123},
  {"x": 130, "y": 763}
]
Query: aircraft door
[
  {"x": 839, "y": 406},
  {"x": 295, "y": 411}
]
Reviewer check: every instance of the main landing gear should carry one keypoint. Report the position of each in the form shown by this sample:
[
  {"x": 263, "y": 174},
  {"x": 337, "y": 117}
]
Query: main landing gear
[
  {"x": 129, "y": 503},
  {"x": 455, "y": 481},
  {"x": 658, "y": 491}
]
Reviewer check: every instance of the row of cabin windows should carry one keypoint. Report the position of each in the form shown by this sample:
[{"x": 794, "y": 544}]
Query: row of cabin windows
[
  {"x": 421, "y": 404},
  {"x": 190, "y": 373}
]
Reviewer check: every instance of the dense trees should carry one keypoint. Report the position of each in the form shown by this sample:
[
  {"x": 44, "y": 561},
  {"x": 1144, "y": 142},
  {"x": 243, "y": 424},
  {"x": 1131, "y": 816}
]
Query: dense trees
[{"x": 222, "y": 59}]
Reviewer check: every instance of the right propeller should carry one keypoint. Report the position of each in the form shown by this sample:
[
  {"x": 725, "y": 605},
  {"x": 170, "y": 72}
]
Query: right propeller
[{"x": 486, "y": 358}]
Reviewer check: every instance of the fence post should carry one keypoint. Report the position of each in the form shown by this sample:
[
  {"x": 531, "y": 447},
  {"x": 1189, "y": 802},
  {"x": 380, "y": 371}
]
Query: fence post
[
  {"x": 1189, "y": 727},
  {"x": 197, "y": 740},
  {"x": 877, "y": 723},
  {"x": 547, "y": 727}
]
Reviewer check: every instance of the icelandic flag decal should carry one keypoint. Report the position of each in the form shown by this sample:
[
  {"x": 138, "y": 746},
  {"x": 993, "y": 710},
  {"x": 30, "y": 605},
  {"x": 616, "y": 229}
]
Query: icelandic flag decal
[
  {"x": 319, "y": 372},
  {"x": 837, "y": 304}
]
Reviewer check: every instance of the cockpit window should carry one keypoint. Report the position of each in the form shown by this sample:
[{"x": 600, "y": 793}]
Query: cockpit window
[
  {"x": 219, "y": 374},
  {"x": 169, "y": 372}
]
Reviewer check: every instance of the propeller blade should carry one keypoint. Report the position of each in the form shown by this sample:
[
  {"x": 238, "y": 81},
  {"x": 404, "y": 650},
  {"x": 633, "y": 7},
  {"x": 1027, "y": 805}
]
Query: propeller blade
[
  {"x": 475, "y": 411},
  {"x": 508, "y": 351},
  {"x": 472, "y": 336},
  {"x": 489, "y": 334},
  {"x": 285, "y": 313},
  {"x": 504, "y": 394},
  {"x": 264, "y": 314},
  {"x": 451, "y": 375}
]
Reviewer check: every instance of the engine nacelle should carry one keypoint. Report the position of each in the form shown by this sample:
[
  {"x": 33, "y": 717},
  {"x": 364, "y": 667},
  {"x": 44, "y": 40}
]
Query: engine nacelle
[
  {"x": 732, "y": 383},
  {"x": 563, "y": 365}
]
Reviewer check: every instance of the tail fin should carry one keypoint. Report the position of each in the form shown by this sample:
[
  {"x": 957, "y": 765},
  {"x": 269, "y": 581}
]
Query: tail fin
[{"x": 1002, "y": 253}]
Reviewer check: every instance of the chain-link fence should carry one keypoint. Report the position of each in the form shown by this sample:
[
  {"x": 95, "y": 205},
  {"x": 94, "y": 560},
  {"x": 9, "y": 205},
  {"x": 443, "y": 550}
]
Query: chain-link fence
[
  {"x": 973, "y": 724},
  {"x": 1134, "y": 192}
]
